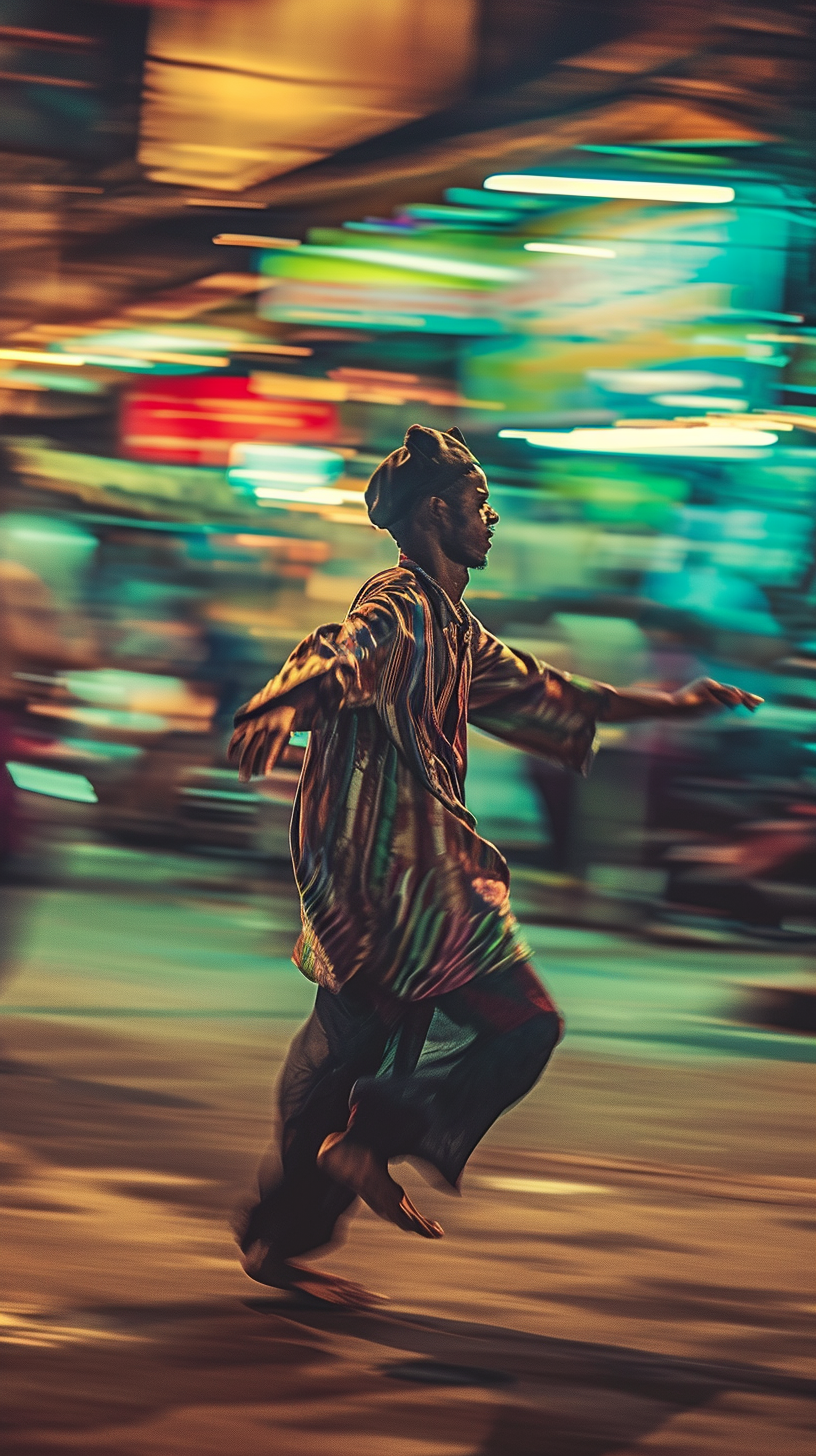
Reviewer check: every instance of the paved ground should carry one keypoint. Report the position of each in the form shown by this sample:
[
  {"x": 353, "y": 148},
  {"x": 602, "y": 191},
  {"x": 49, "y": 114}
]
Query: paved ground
[{"x": 629, "y": 1268}]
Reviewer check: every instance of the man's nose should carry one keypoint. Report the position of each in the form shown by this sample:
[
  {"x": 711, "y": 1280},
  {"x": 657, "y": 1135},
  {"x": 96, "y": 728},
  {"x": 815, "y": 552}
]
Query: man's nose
[{"x": 492, "y": 516}]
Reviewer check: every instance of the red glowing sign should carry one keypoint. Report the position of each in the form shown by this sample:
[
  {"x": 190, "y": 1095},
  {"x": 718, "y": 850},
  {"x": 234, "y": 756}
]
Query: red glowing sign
[{"x": 194, "y": 420}]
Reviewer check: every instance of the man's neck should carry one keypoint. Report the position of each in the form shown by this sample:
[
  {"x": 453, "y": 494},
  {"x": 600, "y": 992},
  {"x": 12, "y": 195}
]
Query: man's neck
[{"x": 448, "y": 574}]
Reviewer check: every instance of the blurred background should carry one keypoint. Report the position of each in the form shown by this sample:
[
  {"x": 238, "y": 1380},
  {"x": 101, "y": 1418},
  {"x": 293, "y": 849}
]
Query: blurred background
[{"x": 245, "y": 244}]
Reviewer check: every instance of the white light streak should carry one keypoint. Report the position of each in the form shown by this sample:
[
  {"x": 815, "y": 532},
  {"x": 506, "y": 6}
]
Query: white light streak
[
  {"x": 695, "y": 441},
  {"x": 315, "y": 495},
  {"x": 700, "y": 401},
  {"x": 638, "y": 190},
  {"x": 648, "y": 381},
  {"x": 570, "y": 248},
  {"x": 39, "y": 356}
]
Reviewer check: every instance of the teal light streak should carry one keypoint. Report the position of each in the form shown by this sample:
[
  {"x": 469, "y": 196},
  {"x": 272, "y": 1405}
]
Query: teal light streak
[{"x": 54, "y": 783}]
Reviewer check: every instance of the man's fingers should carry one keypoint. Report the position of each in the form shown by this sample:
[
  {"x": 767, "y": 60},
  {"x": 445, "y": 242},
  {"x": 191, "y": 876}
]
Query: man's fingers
[
  {"x": 732, "y": 697},
  {"x": 725, "y": 693},
  {"x": 735, "y": 697},
  {"x": 274, "y": 750},
  {"x": 246, "y": 765},
  {"x": 245, "y": 760},
  {"x": 257, "y": 745},
  {"x": 235, "y": 743},
  {"x": 706, "y": 693},
  {"x": 259, "y": 754}
]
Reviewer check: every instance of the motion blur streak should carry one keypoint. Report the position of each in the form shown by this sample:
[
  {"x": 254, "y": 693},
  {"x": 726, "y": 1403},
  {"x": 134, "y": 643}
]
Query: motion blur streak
[
  {"x": 637, "y": 191},
  {"x": 245, "y": 244}
]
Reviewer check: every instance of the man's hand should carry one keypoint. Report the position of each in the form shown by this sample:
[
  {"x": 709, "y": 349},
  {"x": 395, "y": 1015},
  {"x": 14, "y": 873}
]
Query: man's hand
[
  {"x": 704, "y": 695},
  {"x": 257, "y": 745}
]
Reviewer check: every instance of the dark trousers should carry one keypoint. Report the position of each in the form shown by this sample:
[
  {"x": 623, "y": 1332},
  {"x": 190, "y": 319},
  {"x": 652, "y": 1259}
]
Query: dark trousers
[{"x": 422, "y": 1079}]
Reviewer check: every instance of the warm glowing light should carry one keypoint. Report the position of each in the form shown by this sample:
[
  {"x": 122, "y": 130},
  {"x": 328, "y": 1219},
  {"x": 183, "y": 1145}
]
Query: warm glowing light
[
  {"x": 121, "y": 355},
  {"x": 253, "y": 240},
  {"x": 695, "y": 441},
  {"x": 219, "y": 204},
  {"x": 418, "y": 262},
  {"x": 43, "y": 379},
  {"x": 127, "y": 362},
  {"x": 8, "y": 381},
  {"x": 638, "y": 190},
  {"x": 39, "y": 356},
  {"x": 571, "y": 248},
  {"x": 164, "y": 348},
  {"x": 293, "y": 350}
]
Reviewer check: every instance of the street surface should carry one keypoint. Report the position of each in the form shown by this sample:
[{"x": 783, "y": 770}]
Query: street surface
[{"x": 629, "y": 1267}]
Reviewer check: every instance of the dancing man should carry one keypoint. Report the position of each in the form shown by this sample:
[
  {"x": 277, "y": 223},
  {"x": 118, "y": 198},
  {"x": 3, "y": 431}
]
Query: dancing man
[{"x": 429, "y": 1020}]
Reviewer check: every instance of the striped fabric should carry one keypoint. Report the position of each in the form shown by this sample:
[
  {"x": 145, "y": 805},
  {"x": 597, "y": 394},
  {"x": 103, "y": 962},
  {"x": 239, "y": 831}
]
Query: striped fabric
[{"x": 396, "y": 885}]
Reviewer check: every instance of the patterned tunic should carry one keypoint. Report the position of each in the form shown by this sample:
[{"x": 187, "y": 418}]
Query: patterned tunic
[{"x": 395, "y": 882}]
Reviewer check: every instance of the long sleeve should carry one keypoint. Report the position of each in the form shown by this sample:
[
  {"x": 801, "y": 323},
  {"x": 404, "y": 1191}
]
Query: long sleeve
[
  {"x": 339, "y": 665},
  {"x": 515, "y": 697}
]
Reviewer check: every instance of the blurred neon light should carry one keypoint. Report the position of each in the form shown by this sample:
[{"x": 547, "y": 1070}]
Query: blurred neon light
[
  {"x": 297, "y": 459},
  {"x": 175, "y": 348},
  {"x": 53, "y": 782},
  {"x": 196, "y": 420},
  {"x": 219, "y": 203},
  {"x": 267, "y": 469},
  {"x": 570, "y": 248},
  {"x": 695, "y": 441},
  {"x": 417, "y": 262},
  {"x": 39, "y": 356},
  {"x": 129, "y": 363},
  {"x": 42, "y": 379},
  {"x": 781, "y": 338},
  {"x": 287, "y": 474},
  {"x": 313, "y": 495},
  {"x": 253, "y": 240},
  {"x": 474, "y": 197},
  {"x": 609, "y": 187},
  {"x": 648, "y": 381},
  {"x": 204, "y": 361},
  {"x": 700, "y": 401}
]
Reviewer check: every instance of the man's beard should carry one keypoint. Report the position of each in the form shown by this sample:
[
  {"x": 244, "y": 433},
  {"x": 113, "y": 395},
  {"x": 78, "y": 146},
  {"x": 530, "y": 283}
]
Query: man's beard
[{"x": 458, "y": 550}]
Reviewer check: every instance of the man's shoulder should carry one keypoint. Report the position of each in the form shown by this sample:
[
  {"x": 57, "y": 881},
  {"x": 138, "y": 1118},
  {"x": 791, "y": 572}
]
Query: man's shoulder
[{"x": 397, "y": 584}]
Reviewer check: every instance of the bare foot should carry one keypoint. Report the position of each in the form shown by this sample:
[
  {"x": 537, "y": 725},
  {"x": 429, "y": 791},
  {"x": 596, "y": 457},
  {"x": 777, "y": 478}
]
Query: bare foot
[
  {"x": 360, "y": 1169},
  {"x": 329, "y": 1288}
]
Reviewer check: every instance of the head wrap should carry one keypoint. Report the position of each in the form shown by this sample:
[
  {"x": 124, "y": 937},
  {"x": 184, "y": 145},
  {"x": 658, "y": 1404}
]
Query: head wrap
[{"x": 427, "y": 463}]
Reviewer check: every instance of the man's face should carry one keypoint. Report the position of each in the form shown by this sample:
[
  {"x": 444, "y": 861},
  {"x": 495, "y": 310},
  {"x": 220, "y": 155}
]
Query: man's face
[{"x": 468, "y": 523}]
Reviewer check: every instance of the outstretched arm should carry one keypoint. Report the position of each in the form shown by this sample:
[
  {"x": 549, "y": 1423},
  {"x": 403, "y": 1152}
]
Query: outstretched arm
[
  {"x": 629, "y": 705},
  {"x": 515, "y": 697},
  {"x": 337, "y": 666}
]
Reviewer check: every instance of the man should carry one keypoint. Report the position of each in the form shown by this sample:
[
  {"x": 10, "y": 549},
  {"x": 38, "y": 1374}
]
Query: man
[{"x": 429, "y": 1020}]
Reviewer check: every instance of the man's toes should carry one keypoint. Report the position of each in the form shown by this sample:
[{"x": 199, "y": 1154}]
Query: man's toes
[
  {"x": 417, "y": 1222},
  {"x": 336, "y": 1291}
]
